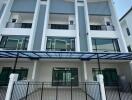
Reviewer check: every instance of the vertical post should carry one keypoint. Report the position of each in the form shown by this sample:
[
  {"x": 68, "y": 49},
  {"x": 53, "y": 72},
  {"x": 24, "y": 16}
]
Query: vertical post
[
  {"x": 86, "y": 91},
  {"x": 42, "y": 91},
  {"x": 13, "y": 78},
  {"x": 85, "y": 70},
  {"x": 99, "y": 66},
  {"x": 34, "y": 70},
  {"x": 57, "y": 92},
  {"x": 71, "y": 89},
  {"x": 102, "y": 88},
  {"x": 27, "y": 90},
  {"x": 15, "y": 64}
]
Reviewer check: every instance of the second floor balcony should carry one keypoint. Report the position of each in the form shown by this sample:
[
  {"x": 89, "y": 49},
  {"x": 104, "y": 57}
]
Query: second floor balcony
[
  {"x": 60, "y": 44},
  {"x": 14, "y": 42}
]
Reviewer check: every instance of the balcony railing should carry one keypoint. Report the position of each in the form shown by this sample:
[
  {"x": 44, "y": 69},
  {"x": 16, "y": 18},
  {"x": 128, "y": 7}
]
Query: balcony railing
[
  {"x": 102, "y": 27},
  {"x": 46, "y": 91},
  {"x": 18, "y": 25},
  {"x": 61, "y": 26}
]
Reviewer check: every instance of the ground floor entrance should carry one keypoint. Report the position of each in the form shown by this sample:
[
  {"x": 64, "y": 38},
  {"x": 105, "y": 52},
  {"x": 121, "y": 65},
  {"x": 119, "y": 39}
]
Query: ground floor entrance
[{"x": 65, "y": 76}]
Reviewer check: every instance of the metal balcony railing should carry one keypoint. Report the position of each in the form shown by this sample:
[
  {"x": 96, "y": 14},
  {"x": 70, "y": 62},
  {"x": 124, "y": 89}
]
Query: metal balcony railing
[
  {"x": 18, "y": 25},
  {"x": 102, "y": 27},
  {"x": 46, "y": 91},
  {"x": 61, "y": 26}
]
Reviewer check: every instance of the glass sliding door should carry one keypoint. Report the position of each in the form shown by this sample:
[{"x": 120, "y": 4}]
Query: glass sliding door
[
  {"x": 14, "y": 42},
  {"x": 105, "y": 45},
  {"x": 60, "y": 44},
  {"x": 65, "y": 77}
]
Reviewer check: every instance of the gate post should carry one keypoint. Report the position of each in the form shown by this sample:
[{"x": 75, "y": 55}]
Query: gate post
[
  {"x": 102, "y": 88},
  {"x": 13, "y": 78}
]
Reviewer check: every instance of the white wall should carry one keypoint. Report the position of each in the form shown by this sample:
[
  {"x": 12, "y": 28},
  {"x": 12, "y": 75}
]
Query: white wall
[
  {"x": 44, "y": 72},
  {"x": 127, "y": 23}
]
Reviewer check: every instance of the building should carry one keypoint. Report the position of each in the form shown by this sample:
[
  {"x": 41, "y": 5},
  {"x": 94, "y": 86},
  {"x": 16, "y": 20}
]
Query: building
[
  {"x": 125, "y": 22},
  {"x": 63, "y": 42}
]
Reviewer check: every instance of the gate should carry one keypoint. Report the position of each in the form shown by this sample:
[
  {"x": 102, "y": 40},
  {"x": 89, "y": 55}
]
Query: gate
[
  {"x": 46, "y": 91},
  {"x": 119, "y": 92}
]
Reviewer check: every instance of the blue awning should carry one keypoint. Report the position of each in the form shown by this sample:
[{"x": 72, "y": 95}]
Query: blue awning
[{"x": 65, "y": 55}]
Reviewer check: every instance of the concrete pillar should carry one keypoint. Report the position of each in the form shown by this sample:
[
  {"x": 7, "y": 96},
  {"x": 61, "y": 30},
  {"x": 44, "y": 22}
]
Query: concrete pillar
[
  {"x": 77, "y": 27},
  {"x": 100, "y": 79},
  {"x": 46, "y": 21},
  {"x": 34, "y": 26},
  {"x": 34, "y": 70},
  {"x": 89, "y": 40},
  {"x": 13, "y": 78},
  {"x": 85, "y": 70}
]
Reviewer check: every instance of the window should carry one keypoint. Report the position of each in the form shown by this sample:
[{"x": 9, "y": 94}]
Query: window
[
  {"x": 14, "y": 42},
  {"x": 129, "y": 48},
  {"x": 110, "y": 76},
  {"x": 60, "y": 44},
  {"x": 105, "y": 45},
  {"x": 65, "y": 76},
  {"x": 128, "y": 31}
]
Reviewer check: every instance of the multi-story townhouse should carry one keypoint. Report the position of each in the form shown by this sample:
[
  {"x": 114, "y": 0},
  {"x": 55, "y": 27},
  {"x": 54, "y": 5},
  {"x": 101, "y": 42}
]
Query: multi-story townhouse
[
  {"x": 126, "y": 25},
  {"x": 63, "y": 43}
]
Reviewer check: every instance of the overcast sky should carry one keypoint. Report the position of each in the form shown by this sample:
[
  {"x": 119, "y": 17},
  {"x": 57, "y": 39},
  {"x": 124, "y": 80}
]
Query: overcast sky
[{"x": 122, "y": 6}]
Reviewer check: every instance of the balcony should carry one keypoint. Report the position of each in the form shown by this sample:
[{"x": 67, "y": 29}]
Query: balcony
[
  {"x": 60, "y": 44},
  {"x": 101, "y": 23},
  {"x": 20, "y": 20},
  {"x": 14, "y": 43}
]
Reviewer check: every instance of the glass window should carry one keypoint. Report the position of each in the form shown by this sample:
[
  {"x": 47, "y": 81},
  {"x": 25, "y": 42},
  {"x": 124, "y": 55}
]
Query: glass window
[
  {"x": 14, "y": 42},
  {"x": 60, "y": 44},
  {"x": 105, "y": 45},
  {"x": 64, "y": 76}
]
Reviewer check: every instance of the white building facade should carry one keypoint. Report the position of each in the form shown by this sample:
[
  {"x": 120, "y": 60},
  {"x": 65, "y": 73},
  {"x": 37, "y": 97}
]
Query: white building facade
[
  {"x": 89, "y": 26},
  {"x": 126, "y": 25}
]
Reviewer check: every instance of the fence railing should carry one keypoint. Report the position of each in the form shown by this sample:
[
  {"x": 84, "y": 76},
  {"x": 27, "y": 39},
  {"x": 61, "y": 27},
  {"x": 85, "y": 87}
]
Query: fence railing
[
  {"x": 119, "y": 91},
  {"x": 3, "y": 89},
  {"x": 46, "y": 91},
  {"x": 18, "y": 25},
  {"x": 102, "y": 27}
]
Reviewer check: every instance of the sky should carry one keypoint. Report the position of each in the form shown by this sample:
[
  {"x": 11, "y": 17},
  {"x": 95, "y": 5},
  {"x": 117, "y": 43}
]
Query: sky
[{"x": 122, "y": 6}]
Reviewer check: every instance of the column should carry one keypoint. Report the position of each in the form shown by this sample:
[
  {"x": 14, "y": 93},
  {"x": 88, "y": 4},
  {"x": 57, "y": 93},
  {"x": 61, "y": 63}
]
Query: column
[
  {"x": 89, "y": 40},
  {"x": 77, "y": 27},
  {"x": 13, "y": 78},
  {"x": 34, "y": 26},
  {"x": 85, "y": 71},
  {"x": 100, "y": 79},
  {"x": 34, "y": 70},
  {"x": 46, "y": 20}
]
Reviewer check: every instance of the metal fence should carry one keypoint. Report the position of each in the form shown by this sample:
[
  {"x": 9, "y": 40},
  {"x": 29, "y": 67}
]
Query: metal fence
[
  {"x": 46, "y": 91},
  {"x": 3, "y": 89},
  {"x": 119, "y": 92}
]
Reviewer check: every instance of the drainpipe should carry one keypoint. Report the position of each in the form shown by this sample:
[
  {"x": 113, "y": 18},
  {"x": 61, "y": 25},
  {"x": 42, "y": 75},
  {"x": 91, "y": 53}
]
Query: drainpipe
[{"x": 15, "y": 64}]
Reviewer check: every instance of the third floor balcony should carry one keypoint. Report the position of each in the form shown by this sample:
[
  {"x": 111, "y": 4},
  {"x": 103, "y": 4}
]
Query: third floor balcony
[
  {"x": 20, "y": 20},
  {"x": 101, "y": 23}
]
